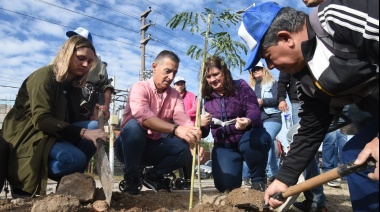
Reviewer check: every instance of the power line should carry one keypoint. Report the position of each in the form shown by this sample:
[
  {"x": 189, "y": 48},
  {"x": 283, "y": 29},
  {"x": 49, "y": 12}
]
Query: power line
[
  {"x": 173, "y": 35},
  {"x": 170, "y": 46},
  {"x": 55, "y": 23},
  {"x": 161, "y": 7},
  {"x": 127, "y": 14},
  {"x": 118, "y": 11},
  {"x": 54, "y": 5},
  {"x": 6, "y": 86}
]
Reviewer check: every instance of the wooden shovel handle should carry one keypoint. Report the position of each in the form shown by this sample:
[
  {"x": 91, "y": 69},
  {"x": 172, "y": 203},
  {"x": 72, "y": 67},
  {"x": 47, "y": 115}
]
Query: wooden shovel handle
[
  {"x": 340, "y": 171},
  {"x": 101, "y": 120}
]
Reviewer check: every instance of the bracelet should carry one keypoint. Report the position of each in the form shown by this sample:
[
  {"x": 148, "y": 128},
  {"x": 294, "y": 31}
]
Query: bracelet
[
  {"x": 82, "y": 132},
  {"x": 175, "y": 127}
]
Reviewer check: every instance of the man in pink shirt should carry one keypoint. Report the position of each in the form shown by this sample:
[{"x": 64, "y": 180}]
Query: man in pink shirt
[{"x": 150, "y": 107}]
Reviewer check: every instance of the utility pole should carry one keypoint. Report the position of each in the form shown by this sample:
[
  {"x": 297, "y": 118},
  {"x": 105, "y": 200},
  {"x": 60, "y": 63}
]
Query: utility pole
[{"x": 144, "y": 41}]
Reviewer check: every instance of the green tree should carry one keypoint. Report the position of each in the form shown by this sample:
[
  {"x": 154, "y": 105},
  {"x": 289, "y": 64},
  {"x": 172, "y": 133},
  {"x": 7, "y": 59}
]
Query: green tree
[
  {"x": 206, "y": 145},
  {"x": 221, "y": 42}
]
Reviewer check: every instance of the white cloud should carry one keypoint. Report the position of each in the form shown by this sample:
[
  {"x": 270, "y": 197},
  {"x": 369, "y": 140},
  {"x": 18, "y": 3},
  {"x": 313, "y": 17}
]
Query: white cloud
[{"x": 28, "y": 43}]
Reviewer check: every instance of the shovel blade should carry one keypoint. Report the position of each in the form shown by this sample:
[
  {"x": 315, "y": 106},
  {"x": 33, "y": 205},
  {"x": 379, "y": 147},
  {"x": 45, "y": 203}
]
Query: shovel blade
[{"x": 104, "y": 172}]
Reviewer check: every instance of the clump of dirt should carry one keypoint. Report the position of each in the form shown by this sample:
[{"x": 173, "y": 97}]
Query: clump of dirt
[{"x": 245, "y": 197}]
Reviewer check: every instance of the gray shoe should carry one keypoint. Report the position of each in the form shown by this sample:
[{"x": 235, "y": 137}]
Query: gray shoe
[
  {"x": 259, "y": 186},
  {"x": 156, "y": 183},
  {"x": 247, "y": 181}
]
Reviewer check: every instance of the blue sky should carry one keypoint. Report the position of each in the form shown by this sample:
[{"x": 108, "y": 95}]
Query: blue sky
[{"x": 32, "y": 31}]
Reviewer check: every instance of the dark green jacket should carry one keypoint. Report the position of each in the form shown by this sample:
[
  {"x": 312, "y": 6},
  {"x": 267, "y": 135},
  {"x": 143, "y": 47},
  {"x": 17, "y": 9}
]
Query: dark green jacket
[{"x": 31, "y": 128}]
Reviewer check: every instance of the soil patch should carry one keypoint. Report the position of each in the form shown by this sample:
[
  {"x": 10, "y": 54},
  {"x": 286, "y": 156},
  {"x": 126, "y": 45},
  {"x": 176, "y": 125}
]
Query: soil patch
[{"x": 178, "y": 201}]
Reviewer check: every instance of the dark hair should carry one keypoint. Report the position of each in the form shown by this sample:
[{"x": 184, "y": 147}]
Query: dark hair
[
  {"x": 229, "y": 84},
  {"x": 167, "y": 54},
  {"x": 287, "y": 19}
]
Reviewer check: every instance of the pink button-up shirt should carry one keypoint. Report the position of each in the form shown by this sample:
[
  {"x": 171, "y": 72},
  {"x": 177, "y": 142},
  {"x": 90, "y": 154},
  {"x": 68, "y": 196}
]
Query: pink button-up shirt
[{"x": 144, "y": 102}]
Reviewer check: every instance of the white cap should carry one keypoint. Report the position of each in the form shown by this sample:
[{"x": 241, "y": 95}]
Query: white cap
[
  {"x": 259, "y": 64},
  {"x": 80, "y": 31},
  {"x": 179, "y": 79}
]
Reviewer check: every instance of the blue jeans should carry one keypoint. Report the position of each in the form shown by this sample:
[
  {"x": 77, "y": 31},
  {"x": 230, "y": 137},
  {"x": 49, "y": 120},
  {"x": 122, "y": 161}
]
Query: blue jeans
[
  {"x": 245, "y": 170},
  {"x": 316, "y": 194},
  {"x": 273, "y": 128},
  {"x": 331, "y": 149},
  {"x": 364, "y": 192},
  {"x": 295, "y": 108},
  {"x": 227, "y": 161},
  {"x": 66, "y": 158},
  {"x": 134, "y": 149}
]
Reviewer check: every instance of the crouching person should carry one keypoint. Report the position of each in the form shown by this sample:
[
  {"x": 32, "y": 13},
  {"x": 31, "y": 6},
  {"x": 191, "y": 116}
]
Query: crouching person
[
  {"x": 233, "y": 114},
  {"x": 45, "y": 138},
  {"x": 149, "y": 109}
]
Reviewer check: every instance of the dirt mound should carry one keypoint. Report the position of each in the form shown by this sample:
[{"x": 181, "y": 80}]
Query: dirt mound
[{"x": 177, "y": 201}]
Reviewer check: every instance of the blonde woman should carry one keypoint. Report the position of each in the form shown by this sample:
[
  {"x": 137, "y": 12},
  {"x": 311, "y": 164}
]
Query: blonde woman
[
  {"x": 265, "y": 87},
  {"x": 46, "y": 140}
]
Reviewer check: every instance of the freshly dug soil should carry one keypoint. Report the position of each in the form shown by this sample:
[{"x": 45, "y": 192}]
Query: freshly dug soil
[{"x": 242, "y": 199}]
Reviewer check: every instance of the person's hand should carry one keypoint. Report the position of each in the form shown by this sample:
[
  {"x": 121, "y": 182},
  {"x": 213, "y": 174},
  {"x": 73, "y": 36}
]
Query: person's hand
[
  {"x": 275, "y": 187},
  {"x": 261, "y": 102},
  {"x": 206, "y": 119},
  {"x": 106, "y": 111},
  {"x": 190, "y": 134},
  {"x": 371, "y": 149},
  {"x": 201, "y": 152},
  {"x": 283, "y": 106},
  {"x": 92, "y": 135},
  {"x": 242, "y": 123}
]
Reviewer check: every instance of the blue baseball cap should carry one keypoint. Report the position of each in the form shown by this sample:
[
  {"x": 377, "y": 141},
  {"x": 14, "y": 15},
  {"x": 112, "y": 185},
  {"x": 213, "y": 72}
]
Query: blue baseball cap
[
  {"x": 256, "y": 22},
  {"x": 82, "y": 32}
]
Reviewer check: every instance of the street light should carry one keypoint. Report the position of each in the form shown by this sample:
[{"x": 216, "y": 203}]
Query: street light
[{"x": 243, "y": 11}]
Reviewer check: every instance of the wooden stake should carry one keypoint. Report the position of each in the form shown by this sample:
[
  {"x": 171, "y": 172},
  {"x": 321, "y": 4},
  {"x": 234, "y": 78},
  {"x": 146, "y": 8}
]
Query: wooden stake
[{"x": 198, "y": 118}]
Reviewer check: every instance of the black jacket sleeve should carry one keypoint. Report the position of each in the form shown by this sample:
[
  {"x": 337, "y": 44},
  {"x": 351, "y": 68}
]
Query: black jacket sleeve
[
  {"x": 314, "y": 123},
  {"x": 283, "y": 82}
]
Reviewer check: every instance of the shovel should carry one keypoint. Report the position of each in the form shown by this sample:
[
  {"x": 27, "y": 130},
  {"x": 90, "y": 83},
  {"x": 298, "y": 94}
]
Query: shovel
[
  {"x": 340, "y": 171},
  {"x": 103, "y": 165}
]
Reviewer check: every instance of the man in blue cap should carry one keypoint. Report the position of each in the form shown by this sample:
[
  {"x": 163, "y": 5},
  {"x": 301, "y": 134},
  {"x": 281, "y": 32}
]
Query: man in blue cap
[{"x": 334, "y": 55}]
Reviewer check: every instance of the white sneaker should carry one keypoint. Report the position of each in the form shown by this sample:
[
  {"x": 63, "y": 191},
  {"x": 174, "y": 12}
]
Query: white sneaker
[{"x": 334, "y": 183}]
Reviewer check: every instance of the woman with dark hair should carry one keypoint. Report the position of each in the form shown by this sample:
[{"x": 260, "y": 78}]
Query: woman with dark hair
[{"x": 233, "y": 114}]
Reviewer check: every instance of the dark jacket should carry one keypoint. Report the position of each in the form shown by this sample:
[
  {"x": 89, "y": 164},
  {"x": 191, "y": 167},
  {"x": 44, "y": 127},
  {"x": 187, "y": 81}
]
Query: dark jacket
[
  {"x": 315, "y": 116},
  {"x": 242, "y": 104},
  {"x": 32, "y": 126},
  {"x": 287, "y": 84}
]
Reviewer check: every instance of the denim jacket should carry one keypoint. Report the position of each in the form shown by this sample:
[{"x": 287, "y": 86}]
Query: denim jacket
[{"x": 269, "y": 97}]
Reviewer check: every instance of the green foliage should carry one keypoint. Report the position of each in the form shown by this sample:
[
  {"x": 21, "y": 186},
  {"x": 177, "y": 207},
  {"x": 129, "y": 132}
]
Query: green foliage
[
  {"x": 221, "y": 43},
  {"x": 206, "y": 145}
]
